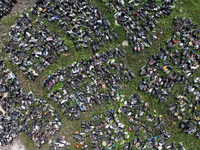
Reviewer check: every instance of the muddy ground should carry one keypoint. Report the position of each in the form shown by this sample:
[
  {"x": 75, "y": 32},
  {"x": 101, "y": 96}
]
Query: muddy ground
[{"x": 17, "y": 144}]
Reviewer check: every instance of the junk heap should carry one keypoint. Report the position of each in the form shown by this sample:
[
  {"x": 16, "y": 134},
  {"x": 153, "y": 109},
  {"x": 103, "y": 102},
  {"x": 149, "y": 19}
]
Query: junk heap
[
  {"x": 176, "y": 64},
  {"x": 144, "y": 130},
  {"x": 6, "y": 6},
  {"x": 23, "y": 112},
  {"x": 88, "y": 82},
  {"x": 138, "y": 18},
  {"x": 32, "y": 45},
  {"x": 83, "y": 22}
]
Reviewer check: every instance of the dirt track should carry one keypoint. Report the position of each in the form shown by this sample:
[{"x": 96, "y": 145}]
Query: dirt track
[
  {"x": 17, "y": 144},
  {"x": 19, "y": 7}
]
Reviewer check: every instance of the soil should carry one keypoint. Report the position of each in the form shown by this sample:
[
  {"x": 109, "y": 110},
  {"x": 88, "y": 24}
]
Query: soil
[
  {"x": 17, "y": 144},
  {"x": 21, "y": 6}
]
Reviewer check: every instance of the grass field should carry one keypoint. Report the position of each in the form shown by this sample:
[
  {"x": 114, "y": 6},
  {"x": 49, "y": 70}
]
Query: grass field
[{"x": 184, "y": 8}]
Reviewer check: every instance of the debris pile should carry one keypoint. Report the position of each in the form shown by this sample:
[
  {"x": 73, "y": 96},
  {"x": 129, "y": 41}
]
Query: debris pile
[
  {"x": 88, "y": 82},
  {"x": 6, "y": 7},
  {"x": 174, "y": 65},
  {"x": 59, "y": 142},
  {"x": 23, "y": 112},
  {"x": 32, "y": 45},
  {"x": 144, "y": 130},
  {"x": 138, "y": 18},
  {"x": 83, "y": 22}
]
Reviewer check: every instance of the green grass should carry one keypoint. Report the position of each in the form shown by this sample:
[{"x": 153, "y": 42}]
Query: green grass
[{"x": 190, "y": 9}]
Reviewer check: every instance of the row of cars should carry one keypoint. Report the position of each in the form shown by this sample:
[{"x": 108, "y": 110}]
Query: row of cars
[
  {"x": 82, "y": 22},
  {"x": 88, "y": 83},
  {"x": 22, "y": 112},
  {"x": 138, "y": 19},
  {"x": 175, "y": 65},
  {"x": 32, "y": 46},
  {"x": 143, "y": 129}
]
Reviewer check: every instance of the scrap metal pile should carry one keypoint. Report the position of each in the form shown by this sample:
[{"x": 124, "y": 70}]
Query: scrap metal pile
[
  {"x": 23, "y": 112},
  {"x": 6, "y": 6},
  {"x": 83, "y": 22},
  {"x": 174, "y": 65},
  {"x": 144, "y": 130},
  {"x": 59, "y": 142},
  {"x": 138, "y": 18},
  {"x": 89, "y": 82},
  {"x": 32, "y": 46},
  {"x": 83, "y": 85}
]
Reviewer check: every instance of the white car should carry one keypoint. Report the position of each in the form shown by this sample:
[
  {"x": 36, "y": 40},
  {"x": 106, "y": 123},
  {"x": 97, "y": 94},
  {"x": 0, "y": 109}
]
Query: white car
[{"x": 197, "y": 80}]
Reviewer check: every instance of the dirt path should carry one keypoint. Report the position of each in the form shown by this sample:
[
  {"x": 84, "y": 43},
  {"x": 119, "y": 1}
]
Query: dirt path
[
  {"x": 17, "y": 144},
  {"x": 21, "y": 5},
  {"x": 8, "y": 20}
]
